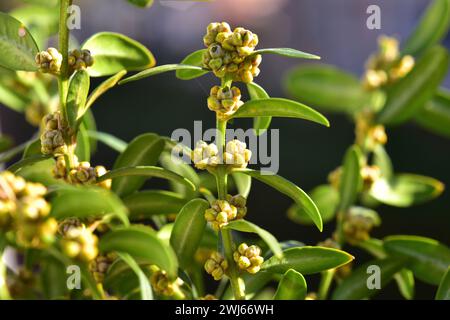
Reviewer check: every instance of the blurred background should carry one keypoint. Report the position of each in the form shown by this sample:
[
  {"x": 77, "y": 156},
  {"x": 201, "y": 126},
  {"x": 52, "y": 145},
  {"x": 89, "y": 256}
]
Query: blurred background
[{"x": 335, "y": 30}]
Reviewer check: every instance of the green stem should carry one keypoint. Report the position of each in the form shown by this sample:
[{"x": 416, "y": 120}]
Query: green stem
[
  {"x": 63, "y": 78},
  {"x": 325, "y": 283},
  {"x": 237, "y": 284}
]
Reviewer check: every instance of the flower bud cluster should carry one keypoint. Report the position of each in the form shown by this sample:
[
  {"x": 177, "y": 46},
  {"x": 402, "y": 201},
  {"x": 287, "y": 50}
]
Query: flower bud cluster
[
  {"x": 216, "y": 266},
  {"x": 248, "y": 258},
  {"x": 231, "y": 52},
  {"x": 78, "y": 241},
  {"x": 237, "y": 154},
  {"x": 81, "y": 173},
  {"x": 357, "y": 226},
  {"x": 224, "y": 101},
  {"x": 100, "y": 265},
  {"x": 80, "y": 59},
  {"x": 207, "y": 155},
  {"x": 387, "y": 66},
  {"x": 370, "y": 174},
  {"x": 49, "y": 61},
  {"x": 24, "y": 209},
  {"x": 162, "y": 285},
  {"x": 54, "y": 129},
  {"x": 220, "y": 214}
]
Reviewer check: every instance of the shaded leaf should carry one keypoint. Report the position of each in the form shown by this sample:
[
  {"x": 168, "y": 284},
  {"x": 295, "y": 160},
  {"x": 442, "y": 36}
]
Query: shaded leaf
[
  {"x": 443, "y": 292},
  {"x": 408, "y": 96},
  {"x": 188, "y": 230},
  {"x": 267, "y": 237},
  {"x": 292, "y": 286},
  {"x": 435, "y": 116},
  {"x": 144, "y": 150},
  {"x": 260, "y": 124},
  {"x": 144, "y": 284},
  {"x": 351, "y": 181},
  {"x": 326, "y": 87}
]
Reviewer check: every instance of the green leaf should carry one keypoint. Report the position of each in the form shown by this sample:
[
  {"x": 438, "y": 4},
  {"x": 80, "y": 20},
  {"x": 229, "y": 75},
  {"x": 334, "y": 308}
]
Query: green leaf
[
  {"x": 146, "y": 171},
  {"x": 146, "y": 289},
  {"x": 108, "y": 139},
  {"x": 356, "y": 286},
  {"x": 278, "y": 107},
  {"x": 41, "y": 20},
  {"x": 443, "y": 292},
  {"x": 287, "y": 52},
  {"x": 141, "y": 3},
  {"x": 178, "y": 166},
  {"x": 260, "y": 124},
  {"x": 160, "y": 69},
  {"x": 382, "y": 160},
  {"x": 188, "y": 230},
  {"x": 351, "y": 180},
  {"x": 77, "y": 95},
  {"x": 435, "y": 116},
  {"x": 83, "y": 149},
  {"x": 268, "y": 238},
  {"x": 42, "y": 172},
  {"x": 428, "y": 259},
  {"x": 12, "y": 99},
  {"x": 146, "y": 204},
  {"x": 405, "y": 190},
  {"x": 431, "y": 29},
  {"x": 307, "y": 260},
  {"x": 291, "y": 287},
  {"x": 144, "y": 150},
  {"x": 326, "y": 87},
  {"x": 194, "y": 59},
  {"x": 114, "y": 52},
  {"x": 291, "y": 190},
  {"x": 101, "y": 89},
  {"x": 95, "y": 202},
  {"x": 53, "y": 277},
  {"x": 404, "y": 278},
  {"x": 141, "y": 243},
  {"x": 326, "y": 199},
  {"x": 243, "y": 183},
  {"x": 27, "y": 162},
  {"x": 17, "y": 46},
  {"x": 408, "y": 96},
  {"x": 254, "y": 283}
]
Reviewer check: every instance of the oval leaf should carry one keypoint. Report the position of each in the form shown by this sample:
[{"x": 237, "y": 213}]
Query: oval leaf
[
  {"x": 17, "y": 46},
  {"x": 77, "y": 95},
  {"x": 326, "y": 87},
  {"x": 435, "y": 116},
  {"x": 146, "y": 204},
  {"x": 96, "y": 203},
  {"x": 141, "y": 243},
  {"x": 146, "y": 171},
  {"x": 267, "y": 237},
  {"x": 144, "y": 284},
  {"x": 405, "y": 190},
  {"x": 291, "y": 190},
  {"x": 307, "y": 260},
  {"x": 160, "y": 69},
  {"x": 194, "y": 59},
  {"x": 188, "y": 230},
  {"x": 141, "y": 3},
  {"x": 243, "y": 183},
  {"x": 432, "y": 28},
  {"x": 114, "y": 52},
  {"x": 351, "y": 180},
  {"x": 406, "y": 97},
  {"x": 443, "y": 292},
  {"x": 428, "y": 259},
  {"x": 278, "y": 107},
  {"x": 288, "y": 52},
  {"x": 326, "y": 199},
  {"x": 291, "y": 287},
  {"x": 260, "y": 124},
  {"x": 355, "y": 286},
  {"x": 144, "y": 150}
]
